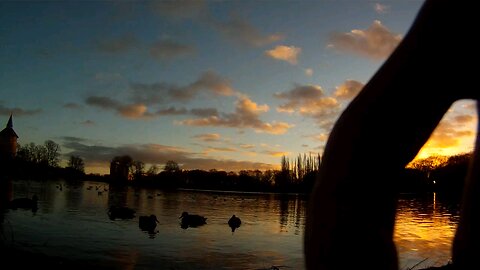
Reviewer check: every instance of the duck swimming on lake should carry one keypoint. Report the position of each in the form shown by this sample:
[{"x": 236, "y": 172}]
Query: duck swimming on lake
[
  {"x": 189, "y": 220},
  {"x": 234, "y": 222},
  {"x": 147, "y": 223}
]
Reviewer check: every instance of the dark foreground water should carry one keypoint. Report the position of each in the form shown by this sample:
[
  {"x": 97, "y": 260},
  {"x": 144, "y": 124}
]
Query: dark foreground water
[{"x": 72, "y": 222}]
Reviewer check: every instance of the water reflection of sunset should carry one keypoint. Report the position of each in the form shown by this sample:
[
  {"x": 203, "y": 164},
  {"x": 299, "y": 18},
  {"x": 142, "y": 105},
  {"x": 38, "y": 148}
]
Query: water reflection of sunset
[
  {"x": 271, "y": 232},
  {"x": 426, "y": 232}
]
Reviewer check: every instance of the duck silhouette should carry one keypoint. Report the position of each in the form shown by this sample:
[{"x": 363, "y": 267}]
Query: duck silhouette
[
  {"x": 234, "y": 222},
  {"x": 120, "y": 212},
  {"x": 189, "y": 220},
  {"x": 24, "y": 203},
  {"x": 147, "y": 223}
]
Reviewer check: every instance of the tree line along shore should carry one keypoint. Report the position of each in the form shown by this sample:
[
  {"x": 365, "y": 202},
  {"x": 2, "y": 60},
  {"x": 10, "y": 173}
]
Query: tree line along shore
[{"x": 42, "y": 162}]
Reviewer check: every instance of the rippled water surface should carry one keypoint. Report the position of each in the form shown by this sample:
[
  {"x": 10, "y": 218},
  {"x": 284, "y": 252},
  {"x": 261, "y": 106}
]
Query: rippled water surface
[
  {"x": 425, "y": 228},
  {"x": 72, "y": 222}
]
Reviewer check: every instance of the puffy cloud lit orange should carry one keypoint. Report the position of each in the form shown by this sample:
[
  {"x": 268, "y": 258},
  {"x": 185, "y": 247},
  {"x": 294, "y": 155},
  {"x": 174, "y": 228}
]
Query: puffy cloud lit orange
[
  {"x": 285, "y": 53},
  {"x": 349, "y": 89},
  {"x": 376, "y": 42}
]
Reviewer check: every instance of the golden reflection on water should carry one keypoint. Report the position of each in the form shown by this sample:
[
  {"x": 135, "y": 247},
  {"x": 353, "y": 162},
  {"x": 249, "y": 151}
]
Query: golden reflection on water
[
  {"x": 72, "y": 221},
  {"x": 424, "y": 230}
]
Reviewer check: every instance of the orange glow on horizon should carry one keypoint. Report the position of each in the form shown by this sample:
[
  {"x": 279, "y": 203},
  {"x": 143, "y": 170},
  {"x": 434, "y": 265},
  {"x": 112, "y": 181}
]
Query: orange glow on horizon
[{"x": 454, "y": 135}]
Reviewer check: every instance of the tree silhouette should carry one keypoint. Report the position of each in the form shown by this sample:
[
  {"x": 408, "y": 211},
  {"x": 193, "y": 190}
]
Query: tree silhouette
[
  {"x": 76, "y": 163},
  {"x": 47, "y": 154},
  {"x": 153, "y": 170},
  {"x": 52, "y": 153},
  {"x": 137, "y": 169},
  {"x": 171, "y": 166}
]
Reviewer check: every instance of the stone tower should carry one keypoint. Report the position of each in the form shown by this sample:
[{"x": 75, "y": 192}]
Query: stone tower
[{"x": 8, "y": 141}]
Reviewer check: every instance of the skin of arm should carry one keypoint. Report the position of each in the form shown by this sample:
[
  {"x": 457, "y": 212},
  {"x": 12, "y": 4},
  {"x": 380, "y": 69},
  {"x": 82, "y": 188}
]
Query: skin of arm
[{"x": 351, "y": 209}]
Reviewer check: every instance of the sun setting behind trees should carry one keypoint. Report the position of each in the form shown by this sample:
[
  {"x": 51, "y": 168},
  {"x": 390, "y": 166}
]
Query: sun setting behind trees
[{"x": 455, "y": 134}]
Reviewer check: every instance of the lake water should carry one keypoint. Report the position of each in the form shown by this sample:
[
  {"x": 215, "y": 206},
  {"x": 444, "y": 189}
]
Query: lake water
[{"x": 72, "y": 222}]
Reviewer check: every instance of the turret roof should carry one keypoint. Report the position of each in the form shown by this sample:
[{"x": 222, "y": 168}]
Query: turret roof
[{"x": 8, "y": 130}]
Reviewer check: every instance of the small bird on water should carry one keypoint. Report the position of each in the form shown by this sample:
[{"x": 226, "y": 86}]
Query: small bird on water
[
  {"x": 234, "y": 222},
  {"x": 147, "y": 223},
  {"x": 189, "y": 220}
]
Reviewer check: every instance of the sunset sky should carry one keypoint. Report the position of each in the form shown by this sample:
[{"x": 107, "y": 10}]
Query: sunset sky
[{"x": 225, "y": 85}]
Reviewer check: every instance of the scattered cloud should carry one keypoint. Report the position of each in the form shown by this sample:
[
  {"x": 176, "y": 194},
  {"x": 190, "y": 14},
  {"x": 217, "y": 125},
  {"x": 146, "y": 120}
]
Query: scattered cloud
[
  {"x": 376, "y": 42},
  {"x": 442, "y": 140},
  {"x": 309, "y": 72},
  {"x": 247, "y": 146},
  {"x": 16, "y": 111},
  {"x": 92, "y": 154},
  {"x": 242, "y": 32},
  {"x": 219, "y": 149},
  {"x": 140, "y": 111},
  {"x": 285, "y": 53},
  {"x": 246, "y": 115},
  {"x": 276, "y": 153},
  {"x": 236, "y": 28},
  {"x": 73, "y": 139},
  {"x": 456, "y": 132},
  {"x": 469, "y": 105},
  {"x": 447, "y": 134},
  {"x": 348, "y": 90},
  {"x": 309, "y": 101},
  {"x": 167, "y": 49},
  {"x": 208, "y": 137},
  {"x": 227, "y": 165},
  {"x": 213, "y": 83},
  {"x": 209, "y": 82},
  {"x": 322, "y": 137},
  {"x": 381, "y": 8},
  {"x": 133, "y": 111},
  {"x": 98, "y": 155},
  {"x": 143, "y": 97},
  {"x": 171, "y": 111},
  {"x": 102, "y": 102},
  {"x": 464, "y": 118},
  {"x": 204, "y": 112}
]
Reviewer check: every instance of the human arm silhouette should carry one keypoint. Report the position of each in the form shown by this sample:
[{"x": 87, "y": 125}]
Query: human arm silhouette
[{"x": 351, "y": 211}]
